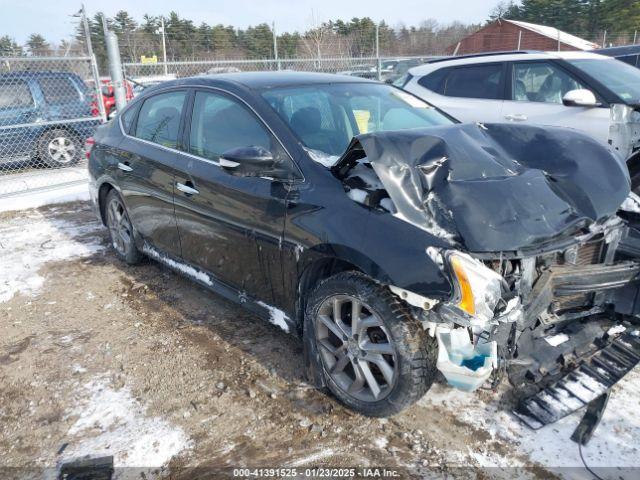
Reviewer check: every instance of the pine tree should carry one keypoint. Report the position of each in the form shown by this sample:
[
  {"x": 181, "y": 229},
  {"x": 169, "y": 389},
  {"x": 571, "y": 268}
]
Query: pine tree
[{"x": 38, "y": 46}]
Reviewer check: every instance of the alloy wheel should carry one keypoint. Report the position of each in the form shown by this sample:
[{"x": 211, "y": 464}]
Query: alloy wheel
[
  {"x": 119, "y": 226},
  {"x": 356, "y": 349},
  {"x": 61, "y": 149}
]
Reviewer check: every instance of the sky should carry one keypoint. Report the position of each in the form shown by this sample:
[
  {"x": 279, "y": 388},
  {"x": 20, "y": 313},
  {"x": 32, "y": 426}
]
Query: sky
[{"x": 52, "y": 18}]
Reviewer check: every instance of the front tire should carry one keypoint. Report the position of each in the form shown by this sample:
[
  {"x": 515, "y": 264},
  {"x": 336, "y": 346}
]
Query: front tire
[
  {"x": 59, "y": 148},
  {"x": 374, "y": 356},
  {"x": 120, "y": 229}
]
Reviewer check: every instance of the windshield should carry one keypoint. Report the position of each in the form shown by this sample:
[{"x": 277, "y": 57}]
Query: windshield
[
  {"x": 620, "y": 78},
  {"x": 325, "y": 117}
]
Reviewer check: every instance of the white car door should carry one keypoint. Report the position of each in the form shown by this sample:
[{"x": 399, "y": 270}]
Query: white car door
[
  {"x": 537, "y": 89},
  {"x": 470, "y": 93}
]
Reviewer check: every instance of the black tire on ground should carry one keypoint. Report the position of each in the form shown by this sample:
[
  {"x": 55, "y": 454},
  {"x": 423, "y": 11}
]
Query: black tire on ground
[
  {"x": 415, "y": 352},
  {"x": 120, "y": 229},
  {"x": 59, "y": 148}
]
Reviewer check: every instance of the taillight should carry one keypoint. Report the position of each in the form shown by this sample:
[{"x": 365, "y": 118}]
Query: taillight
[{"x": 88, "y": 145}]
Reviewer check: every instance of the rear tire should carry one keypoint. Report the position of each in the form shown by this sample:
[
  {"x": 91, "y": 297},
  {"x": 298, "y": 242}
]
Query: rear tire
[
  {"x": 59, "y": 148},
  {"x": 379, "y": 364},
  {"x": 121, "y": 231}
]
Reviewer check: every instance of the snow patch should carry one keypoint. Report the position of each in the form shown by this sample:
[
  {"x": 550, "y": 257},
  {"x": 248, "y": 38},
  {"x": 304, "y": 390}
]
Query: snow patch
[
  {"x": 614, "y": 443},
  {"x": 322, "y": 158},
  {"x": 556, "y": 340},
  {"x": 277, "y": 316},
  {"x": 112, "y": 422},
  {"x": 29, "y": 242},
  {"x": 183, "y": 268},
  {"x": 72, "y": 193},
  {"x": 616, "y": 329},
  {"x": 357, "y": 195},
  {"x": 312, "y": 459},
  {"x": 381, "y": 442}
]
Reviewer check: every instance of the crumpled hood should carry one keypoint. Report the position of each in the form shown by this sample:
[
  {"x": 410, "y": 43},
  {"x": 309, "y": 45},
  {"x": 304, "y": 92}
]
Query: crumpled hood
[{"x": 497, "y": 187}]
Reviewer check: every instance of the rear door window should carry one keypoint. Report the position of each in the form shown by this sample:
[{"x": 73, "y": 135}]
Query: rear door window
[
  {"x": 476, "y": 81},
  {"x": 159, "y": 118},
  {"x": 435, "y": 81},
  {"x": 15, "y": 95},
  {"x": 127, "y": 118},
  {"x": 58, "y": 90}
]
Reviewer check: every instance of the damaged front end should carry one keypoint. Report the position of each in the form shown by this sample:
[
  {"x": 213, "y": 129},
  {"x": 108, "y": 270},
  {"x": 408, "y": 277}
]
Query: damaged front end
[{"x": 542, "y": 259}]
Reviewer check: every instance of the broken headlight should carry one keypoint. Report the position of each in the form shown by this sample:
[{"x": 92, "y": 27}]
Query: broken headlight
[{"x": 477, "y": 288}]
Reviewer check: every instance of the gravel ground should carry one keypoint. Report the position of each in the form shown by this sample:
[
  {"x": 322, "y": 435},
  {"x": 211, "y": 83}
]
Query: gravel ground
[{"x": 98, "y": 358}]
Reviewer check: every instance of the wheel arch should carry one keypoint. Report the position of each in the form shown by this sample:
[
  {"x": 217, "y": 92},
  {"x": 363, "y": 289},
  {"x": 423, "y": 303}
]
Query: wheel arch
[
  {"x": 324, "y": 261},
  {"x": 103, "y": 191}
]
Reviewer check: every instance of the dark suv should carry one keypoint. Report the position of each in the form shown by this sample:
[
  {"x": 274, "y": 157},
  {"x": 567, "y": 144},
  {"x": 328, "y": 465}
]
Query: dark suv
[
  {"x": 394, "y": 241},
  {"x": 44, "y": 116}
]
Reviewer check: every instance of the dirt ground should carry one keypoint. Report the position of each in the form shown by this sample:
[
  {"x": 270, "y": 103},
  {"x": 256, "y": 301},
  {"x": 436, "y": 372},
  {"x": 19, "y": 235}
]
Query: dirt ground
[{"x": 137, "y": 362}]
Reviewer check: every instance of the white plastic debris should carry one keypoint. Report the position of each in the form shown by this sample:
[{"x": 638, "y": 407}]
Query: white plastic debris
[
  {"x": 631, "y": 203},
  {"x": 464, "y": 366}
]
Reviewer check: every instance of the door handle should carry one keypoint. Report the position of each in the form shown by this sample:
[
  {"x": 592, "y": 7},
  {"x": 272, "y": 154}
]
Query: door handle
[
  {"x": 124, "y": 167},
  {"x": 186, "y": 189},
  {"x": 516, "y": 117}
]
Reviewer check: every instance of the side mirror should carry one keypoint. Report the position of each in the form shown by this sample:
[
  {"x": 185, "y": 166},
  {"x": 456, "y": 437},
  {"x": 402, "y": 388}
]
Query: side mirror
[
  {"x": 106, "y": 91},
  {"x": 580, "y": 98},
  {"x": 247, "y": 161}
]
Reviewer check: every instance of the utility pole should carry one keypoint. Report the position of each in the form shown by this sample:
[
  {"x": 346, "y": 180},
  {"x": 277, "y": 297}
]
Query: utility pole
[
  {"x": 604, "y": 39},
  {"x": 635, "y": 35},
  {"x": 115, "y": 66},
  {"x": 378, "y": 62},
  {"x": 275, "y": 45},
  {"x": 164, "y": 46},
  {"x": 94, "y": 64},
  {"x": 519, "y": 39}
]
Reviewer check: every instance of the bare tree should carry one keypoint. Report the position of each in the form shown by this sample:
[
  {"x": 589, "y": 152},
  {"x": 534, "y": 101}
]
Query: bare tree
[{"x": 314, "y": 39}]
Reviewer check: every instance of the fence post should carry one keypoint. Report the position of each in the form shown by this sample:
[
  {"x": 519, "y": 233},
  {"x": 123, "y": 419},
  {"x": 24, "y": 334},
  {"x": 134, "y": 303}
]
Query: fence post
[
  {"x": 378, "y": 62},
  {"x": 164, "y": 47},
  {"x": 115, "y": 66},
  {"x": 94, "y": 66},
  {"x": 275, "y": 45},
  {"x": 635, "y": 35},
  {"x": 604, "y": 39}
]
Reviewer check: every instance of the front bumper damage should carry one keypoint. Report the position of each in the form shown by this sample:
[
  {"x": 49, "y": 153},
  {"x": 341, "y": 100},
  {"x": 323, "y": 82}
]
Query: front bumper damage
[
  {"x": 566, "y": 333},
  {"x": 542, "y": 265}
]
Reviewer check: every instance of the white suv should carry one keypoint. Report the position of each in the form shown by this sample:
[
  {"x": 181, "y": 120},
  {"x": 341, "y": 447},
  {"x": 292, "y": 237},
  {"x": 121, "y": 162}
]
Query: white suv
[{"x": 569, "y": 89}]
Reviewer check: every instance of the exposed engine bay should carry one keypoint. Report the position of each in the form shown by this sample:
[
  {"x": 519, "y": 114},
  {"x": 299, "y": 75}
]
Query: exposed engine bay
[{"x": 543, "y": 250}]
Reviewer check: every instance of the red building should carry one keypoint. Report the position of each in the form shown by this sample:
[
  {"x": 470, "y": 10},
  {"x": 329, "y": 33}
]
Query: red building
[{"x": 504, "y": 35}]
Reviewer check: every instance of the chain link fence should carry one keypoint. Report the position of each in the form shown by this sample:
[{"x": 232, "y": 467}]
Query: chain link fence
[
  {"x": 49, "y": 106},
  {"x": 382, "y": 68}
]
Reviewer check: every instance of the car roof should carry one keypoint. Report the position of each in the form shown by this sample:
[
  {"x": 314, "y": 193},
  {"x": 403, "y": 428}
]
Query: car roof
[
  {"x": 619, "y": 51},
  {"x": 263, "y": 80},
  {"x": 501, "y": 57}
]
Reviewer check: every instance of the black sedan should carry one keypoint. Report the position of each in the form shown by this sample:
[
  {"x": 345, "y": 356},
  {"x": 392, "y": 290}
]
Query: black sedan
[{"x": 394, "y": 241}]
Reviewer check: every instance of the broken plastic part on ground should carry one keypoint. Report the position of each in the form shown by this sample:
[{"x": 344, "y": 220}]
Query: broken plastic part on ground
[{"x": 464, "y": 365}]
